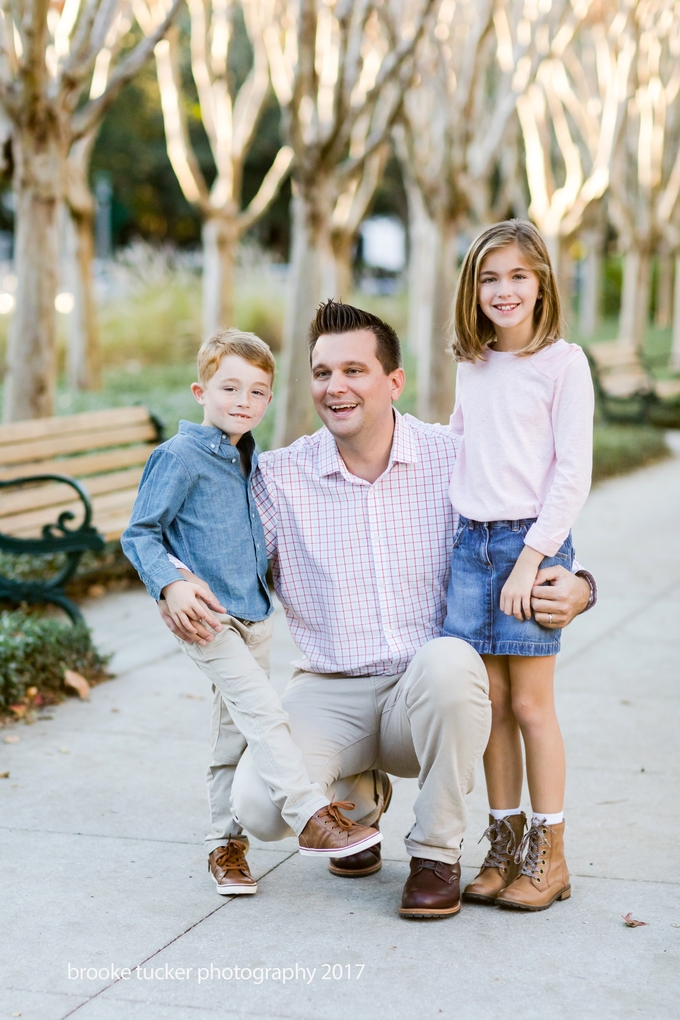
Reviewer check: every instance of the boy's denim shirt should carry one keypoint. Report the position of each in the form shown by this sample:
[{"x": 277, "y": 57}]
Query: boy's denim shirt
[{"x": 194, "y": 502}]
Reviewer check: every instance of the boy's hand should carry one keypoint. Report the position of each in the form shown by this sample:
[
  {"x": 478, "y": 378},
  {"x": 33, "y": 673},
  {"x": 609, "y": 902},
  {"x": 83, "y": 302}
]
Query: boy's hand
[
  {"x": 516, "y": 592},
  {"x": 186, "y": 604}
]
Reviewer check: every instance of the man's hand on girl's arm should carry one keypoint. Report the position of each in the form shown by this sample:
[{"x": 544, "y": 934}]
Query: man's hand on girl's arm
[
  {"x": 556, "y": 603},
  {"x": 516, "y": 592},
  {"x": 185, "y": 609}
]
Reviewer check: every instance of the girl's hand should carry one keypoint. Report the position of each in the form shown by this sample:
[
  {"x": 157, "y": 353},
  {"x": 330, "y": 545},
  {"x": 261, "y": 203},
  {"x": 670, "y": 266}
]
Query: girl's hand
[{"x": 516, "y": 592}]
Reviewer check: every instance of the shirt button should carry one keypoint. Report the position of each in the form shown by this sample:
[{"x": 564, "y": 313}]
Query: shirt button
[
  {"x": 233, "y": 460},
  {"x": 212, "y": 446}
]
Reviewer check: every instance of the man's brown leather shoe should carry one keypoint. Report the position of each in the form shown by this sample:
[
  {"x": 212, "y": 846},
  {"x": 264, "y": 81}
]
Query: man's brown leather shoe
[
  {"x": 432, "y": 889},
  {"x": 229, "y": 869},
  {"x": 366, "y": 862},
  {"x": 328, "y": 833}
]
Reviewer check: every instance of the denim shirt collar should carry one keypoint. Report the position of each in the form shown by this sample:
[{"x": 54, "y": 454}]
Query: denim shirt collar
[{"x": 213, "y": 439}]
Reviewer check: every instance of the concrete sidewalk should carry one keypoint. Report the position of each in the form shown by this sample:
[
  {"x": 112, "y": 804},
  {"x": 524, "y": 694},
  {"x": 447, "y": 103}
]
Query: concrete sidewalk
[{"x": 102, "y": 819}]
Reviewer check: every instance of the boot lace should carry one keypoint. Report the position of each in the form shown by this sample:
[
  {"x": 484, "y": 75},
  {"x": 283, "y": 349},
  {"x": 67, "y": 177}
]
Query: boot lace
[
  {"x": 503, "y": 844},
  {"x": 231, "y": 857},
  {"x": 334, "y": 812},
  {"x": 532, "y": 850}
]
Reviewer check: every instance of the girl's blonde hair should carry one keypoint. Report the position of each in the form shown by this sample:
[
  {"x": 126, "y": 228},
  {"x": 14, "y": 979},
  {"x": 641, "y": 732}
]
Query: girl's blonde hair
[{"x": 473, "y": 332}]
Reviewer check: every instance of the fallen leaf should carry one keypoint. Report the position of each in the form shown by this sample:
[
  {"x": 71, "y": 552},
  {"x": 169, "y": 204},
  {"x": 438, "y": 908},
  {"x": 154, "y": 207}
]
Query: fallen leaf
[
  {"x": 193, "y": 697},
  {"x": 78, "y": 683},
  {"x": 19, "y": 710},
  {"x": 95, "y": 591},
  {"x": 631, "y": 922},
  {"x": 4, "y": 775},
  {"x": 64, "y": 750},
  {"x": 12, "y": 739},
  {"x": 675, "y": 926}
]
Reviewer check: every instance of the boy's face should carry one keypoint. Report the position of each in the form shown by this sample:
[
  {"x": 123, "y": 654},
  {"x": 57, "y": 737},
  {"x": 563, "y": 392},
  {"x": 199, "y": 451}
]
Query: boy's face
[{"x": 236, "y": 397}]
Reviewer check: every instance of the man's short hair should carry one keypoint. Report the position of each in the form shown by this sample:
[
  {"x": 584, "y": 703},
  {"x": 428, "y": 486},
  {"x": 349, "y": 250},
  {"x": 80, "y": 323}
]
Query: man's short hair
[
  {"x": 337, "y": 317},
  {"x": 233, "y": 341}
]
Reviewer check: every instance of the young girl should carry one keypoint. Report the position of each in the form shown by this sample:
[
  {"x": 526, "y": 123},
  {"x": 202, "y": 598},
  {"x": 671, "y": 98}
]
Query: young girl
[{"x": 524, "y": 411}]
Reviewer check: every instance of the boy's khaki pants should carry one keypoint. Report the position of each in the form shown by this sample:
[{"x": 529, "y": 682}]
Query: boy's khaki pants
[
  {"x": 247, "y": 711},
  {"x": 432, "y": 721}
]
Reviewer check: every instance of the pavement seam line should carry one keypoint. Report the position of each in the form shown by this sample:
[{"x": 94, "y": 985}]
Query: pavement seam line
[{"x": 229, "y": 899}]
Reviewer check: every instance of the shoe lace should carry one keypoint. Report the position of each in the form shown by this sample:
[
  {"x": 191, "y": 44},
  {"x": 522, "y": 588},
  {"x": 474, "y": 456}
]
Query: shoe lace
[
  {"x": 334, "y": 812},
  {"x": 503, "y": 844},
  {"x": 531, "y": 850},
  {"x": 230, "y": 857}
]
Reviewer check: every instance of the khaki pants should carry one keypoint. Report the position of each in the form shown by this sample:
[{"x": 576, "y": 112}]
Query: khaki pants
[
  {"x": 248, "y": 711},
  {"x": 431, "y": 722}
]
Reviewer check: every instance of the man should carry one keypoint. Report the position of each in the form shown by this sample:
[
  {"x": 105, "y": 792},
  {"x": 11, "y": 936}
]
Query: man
[{"x": 359, "y": 530}]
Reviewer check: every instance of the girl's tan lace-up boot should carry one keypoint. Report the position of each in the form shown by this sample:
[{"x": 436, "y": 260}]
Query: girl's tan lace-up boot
[
  {"x": 544, "y": 877},
  {"x": 499, "y": 867}
]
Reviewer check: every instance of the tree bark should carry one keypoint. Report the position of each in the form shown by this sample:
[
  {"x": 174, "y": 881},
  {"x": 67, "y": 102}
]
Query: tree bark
[
  {"x": 220, "y": 241},
  {"x": 591, "y": 285},
  {"x": 31, "y": 358},
  {"x": 310, "y": 249},
  {"x": 663, "y": 312},
  {"x": 340, "y": 281},
  {"x": 634, "y": 298},
  {"x": 83, "y": 355},
  {"x": 436, "y": 371},
  {"x": 675, "y": 351}
]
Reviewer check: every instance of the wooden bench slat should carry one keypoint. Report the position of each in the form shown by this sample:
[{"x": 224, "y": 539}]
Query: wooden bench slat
[
  {"x": 31, "y": 523},
  {"x": 87, "y": 422},
  {"x": 83, "y": 465},
  {"x": 44, "y": 448},
  {"x": 112, "y": 525},
  {"x": 54, "y": 494}
]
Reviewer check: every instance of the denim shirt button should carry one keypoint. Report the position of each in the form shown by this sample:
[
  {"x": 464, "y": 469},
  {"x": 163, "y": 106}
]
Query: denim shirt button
[{"x": 212, "y": 446}]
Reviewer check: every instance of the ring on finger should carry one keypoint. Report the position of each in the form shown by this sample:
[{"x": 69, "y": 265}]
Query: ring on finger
[{"x": 550, "y": 618}]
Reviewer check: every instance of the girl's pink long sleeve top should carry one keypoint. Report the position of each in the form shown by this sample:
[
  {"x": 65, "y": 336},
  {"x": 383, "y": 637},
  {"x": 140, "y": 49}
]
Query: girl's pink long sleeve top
[{"x": 526, "y": 428}]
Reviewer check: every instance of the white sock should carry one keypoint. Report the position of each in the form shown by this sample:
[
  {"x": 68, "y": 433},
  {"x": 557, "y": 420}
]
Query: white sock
[
  {"x": 543, "y": 819},
  {"x": 500, "y": 813}
]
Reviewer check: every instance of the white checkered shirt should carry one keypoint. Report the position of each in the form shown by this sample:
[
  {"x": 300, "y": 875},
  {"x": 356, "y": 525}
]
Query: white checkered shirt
[{"x": 361, "y": 568}]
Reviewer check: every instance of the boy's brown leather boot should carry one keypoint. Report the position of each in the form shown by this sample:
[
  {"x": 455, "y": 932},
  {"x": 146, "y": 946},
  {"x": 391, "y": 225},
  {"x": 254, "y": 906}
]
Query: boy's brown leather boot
[
  {"x": 544, "y": 877},
  {"x": 499, "y": 868}
]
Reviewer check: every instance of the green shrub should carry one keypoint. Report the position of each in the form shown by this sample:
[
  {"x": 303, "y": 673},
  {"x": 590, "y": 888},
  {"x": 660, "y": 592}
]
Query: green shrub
[
  {"x": 35, "y": 651},
  {"x": 618, "y": 449}
]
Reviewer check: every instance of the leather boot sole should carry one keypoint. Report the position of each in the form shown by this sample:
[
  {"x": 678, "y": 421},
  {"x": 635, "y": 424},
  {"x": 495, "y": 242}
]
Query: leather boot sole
[
  {"x": 478, "y": 898},
  {"x": 509, "y": 905},
  {"x": 424, "y": 914}
]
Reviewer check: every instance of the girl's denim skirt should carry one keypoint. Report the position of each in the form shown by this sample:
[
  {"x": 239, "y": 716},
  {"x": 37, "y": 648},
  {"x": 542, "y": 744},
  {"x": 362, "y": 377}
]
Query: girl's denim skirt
[{"x": 483, "y": 557}]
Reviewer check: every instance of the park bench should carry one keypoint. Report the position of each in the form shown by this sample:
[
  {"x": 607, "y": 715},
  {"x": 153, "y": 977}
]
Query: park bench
[
  {"x": 67, "y": 485},
  {"x": 628, "y": 390}
]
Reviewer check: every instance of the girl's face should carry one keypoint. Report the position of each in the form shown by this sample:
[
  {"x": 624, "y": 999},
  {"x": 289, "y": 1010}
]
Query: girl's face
[{"x": 507, "y": 294}]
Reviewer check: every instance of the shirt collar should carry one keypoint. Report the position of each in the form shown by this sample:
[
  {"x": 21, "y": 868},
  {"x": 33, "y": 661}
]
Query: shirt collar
[
  {"x": 403, "y": 449},
  {"x": 210, "y": 437}
]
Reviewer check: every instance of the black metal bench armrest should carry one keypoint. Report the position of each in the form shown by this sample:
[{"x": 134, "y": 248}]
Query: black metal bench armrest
[{"x": 56, "y": 538}]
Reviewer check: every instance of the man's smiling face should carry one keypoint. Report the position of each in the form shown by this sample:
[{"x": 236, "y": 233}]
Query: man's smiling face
[{"x": 350, "y": 388}]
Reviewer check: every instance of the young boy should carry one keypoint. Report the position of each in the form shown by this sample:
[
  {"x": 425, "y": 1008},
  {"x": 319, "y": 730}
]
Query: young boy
[{"x": 195, "y": 503}]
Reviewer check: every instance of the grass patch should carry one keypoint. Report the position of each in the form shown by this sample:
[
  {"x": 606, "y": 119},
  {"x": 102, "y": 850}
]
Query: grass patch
[{"x": 34, "y": 653}]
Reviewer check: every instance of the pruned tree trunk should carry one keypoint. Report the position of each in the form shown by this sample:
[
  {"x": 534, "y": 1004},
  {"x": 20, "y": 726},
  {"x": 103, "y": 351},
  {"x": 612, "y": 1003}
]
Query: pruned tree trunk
[
  {"x": 30, "y": 382},
  {"x": 675, "y": 351},
  {"x": 663, "y": 312},
  {"x": 634, "y": 297},
  {"x": 83, "y": 353},
  {"x": 341, "y": 283},
  {"x": 310, "y": 248},
  {"x": 591, "y": 285},
  {"x": 432, "y": 284},
  {"x": 220, "y": 242}
]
